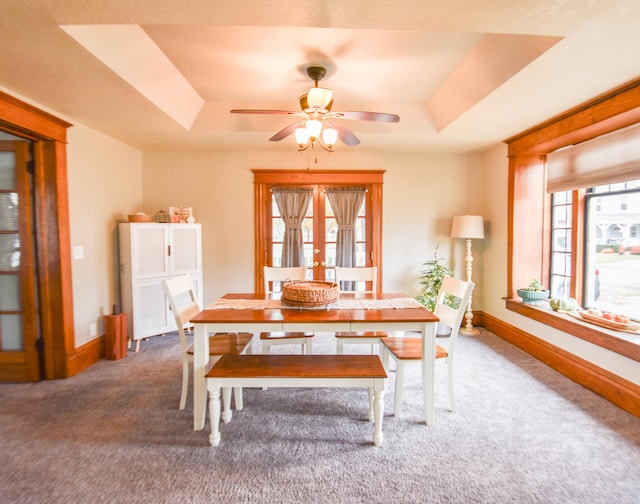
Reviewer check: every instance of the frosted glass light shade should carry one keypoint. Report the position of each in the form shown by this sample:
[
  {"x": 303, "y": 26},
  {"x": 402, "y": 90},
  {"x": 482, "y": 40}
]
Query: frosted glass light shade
[
  {"x": 313, "y": 128},
  {"x": 329, "y": 137},
  {"x": 302, "y": 136},
  {"x": 468, "y": 226},
  {"x": 319, "y": 98}
]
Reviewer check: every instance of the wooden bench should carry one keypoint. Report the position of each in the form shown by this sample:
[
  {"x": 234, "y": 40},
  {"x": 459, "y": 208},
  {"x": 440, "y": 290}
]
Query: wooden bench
[{"x": 295, "y": 371}]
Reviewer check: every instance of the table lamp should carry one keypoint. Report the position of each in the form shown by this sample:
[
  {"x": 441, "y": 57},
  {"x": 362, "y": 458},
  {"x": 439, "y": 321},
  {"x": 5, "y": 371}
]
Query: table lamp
[{"x": 468, "y": 227}]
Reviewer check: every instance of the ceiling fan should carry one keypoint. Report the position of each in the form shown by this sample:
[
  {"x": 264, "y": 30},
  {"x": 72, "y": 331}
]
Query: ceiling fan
[{"x": 318, "y": 123}]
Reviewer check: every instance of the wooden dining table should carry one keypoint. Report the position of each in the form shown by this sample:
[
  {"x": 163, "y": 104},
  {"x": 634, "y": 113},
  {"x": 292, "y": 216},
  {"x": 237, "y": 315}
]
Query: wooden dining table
[{"x": 352, "y": 312}]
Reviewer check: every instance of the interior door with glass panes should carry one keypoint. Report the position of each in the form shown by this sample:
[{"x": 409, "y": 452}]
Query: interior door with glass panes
[
  {"x": 319, "y": 233},
  {"x": 19, "y": 356}
]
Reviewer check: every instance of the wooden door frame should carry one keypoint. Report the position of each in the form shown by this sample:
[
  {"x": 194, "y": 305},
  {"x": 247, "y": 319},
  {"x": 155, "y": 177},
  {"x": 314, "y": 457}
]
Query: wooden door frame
[
  {"x": 263, "y": 180},
  {"x": 53, "y": 244}
]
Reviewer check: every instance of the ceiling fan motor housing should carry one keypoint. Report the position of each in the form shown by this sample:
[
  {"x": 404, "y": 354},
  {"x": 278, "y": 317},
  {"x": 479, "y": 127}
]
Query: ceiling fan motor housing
[{"x": 316, "y": 73}]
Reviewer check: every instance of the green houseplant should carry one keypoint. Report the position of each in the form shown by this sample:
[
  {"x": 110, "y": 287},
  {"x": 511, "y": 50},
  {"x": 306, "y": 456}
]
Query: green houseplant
[
  {"x": 431, "y": 280},
  {"x": 534, "y": 293}
]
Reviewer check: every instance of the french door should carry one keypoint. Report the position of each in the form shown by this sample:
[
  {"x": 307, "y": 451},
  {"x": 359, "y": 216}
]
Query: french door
[
  {"x": 18, "y": 317},
  {"x": 319, "y": 227}
]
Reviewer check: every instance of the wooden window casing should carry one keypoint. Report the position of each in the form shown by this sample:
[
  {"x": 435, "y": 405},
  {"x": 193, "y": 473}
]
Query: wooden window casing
[{"x": 529, "y": 205}]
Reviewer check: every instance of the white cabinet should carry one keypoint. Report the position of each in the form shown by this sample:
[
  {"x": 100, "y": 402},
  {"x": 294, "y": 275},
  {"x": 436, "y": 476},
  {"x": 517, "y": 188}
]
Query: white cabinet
[{"x": 150, "y": 253}]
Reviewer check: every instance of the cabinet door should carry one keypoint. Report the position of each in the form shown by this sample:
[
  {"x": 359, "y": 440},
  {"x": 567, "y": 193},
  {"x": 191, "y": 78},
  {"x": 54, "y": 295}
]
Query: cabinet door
[
  {"x": 185, "y": 255},
  {"x": 152, "y": 314},
  {"x": 149, "y": 251}
]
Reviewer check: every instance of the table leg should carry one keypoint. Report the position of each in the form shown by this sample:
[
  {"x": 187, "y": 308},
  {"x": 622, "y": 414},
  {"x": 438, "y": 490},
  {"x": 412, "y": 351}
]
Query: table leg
[
  {"x": 214, "y": 415},
  {"x": 371, "y": 408},
  {"x": 200, "y": 355},
  {"x": 378, "y": 412},
  {"x": 428, "y": 371}
]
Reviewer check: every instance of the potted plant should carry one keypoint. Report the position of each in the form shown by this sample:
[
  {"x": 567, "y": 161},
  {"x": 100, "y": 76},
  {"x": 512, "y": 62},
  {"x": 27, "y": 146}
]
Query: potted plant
[
  {"x": 533, "y": 294},
  {"x": 431, "y": 280}
]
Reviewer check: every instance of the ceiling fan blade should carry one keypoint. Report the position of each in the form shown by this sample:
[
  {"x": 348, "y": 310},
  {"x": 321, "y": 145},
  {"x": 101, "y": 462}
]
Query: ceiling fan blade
[
  {"x": 345, "y": 134},
  {"x": 370, "y": 116},
  {"x": 285, "y": 132},
  {"x": 258, "y": 111}
]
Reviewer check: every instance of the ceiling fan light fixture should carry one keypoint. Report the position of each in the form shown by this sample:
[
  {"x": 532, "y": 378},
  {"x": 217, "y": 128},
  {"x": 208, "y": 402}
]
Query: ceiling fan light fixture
[
  {"x": 302, "y": 137},
  {"x": 329, "y": 137},
  {"x": 319, "y": 98},
  {"x": 314, "y": 127}
]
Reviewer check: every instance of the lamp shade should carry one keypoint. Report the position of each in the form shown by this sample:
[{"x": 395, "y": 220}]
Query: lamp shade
[{"x": 468, "y": 226}]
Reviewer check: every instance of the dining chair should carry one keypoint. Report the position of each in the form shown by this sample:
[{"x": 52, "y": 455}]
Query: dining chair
[
  {"x": 273, "y": 277},
  {"x": 451, "y": 304},
  {"x": 184, "y": 306},
  {"x": 358, "y": 279}
]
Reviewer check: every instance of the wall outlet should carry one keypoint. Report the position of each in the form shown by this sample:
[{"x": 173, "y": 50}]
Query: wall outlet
[{"x": 93, "y": 330}]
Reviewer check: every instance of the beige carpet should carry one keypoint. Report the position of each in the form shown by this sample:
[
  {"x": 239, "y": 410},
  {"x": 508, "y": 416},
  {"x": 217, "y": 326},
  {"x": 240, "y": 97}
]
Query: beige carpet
[{"x": 522, "y": 434}]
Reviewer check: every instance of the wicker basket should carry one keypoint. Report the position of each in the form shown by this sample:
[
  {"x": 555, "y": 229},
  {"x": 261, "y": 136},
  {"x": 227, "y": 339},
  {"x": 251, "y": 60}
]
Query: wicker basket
[
  {"x": 310, "y": 292},
  {"x": 139, "y": 217}
]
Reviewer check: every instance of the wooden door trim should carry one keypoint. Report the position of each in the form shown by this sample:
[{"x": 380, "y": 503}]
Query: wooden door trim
[
  {"x": 53, "y": 246},
  {"x": 264, "y": 179}
]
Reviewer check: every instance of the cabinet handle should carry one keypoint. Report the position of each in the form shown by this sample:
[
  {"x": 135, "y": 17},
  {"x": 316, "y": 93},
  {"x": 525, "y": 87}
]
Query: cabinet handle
[{"x": 168, "y": 250}]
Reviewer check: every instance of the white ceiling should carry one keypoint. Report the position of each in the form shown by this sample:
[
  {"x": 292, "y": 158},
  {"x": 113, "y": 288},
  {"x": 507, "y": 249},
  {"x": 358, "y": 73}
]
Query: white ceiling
[{"x": 462, "y": 75}]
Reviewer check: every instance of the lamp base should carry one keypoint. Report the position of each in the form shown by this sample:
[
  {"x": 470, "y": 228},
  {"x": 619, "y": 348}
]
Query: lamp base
[{"x": 469, "y": 332}]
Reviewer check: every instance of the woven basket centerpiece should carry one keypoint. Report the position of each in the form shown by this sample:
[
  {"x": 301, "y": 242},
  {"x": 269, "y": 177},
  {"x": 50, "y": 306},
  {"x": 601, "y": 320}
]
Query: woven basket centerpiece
[{"x": 310, "y": 292}]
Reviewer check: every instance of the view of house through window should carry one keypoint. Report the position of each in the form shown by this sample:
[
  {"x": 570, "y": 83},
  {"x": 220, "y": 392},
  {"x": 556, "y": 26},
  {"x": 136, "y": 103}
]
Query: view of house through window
[{"x": 611, "y": 266}]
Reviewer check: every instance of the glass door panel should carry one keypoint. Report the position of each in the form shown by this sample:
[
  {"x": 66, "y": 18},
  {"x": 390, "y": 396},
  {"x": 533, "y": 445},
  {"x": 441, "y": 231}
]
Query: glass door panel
[
  {"x": 18, "y": 308},
  {"x": 319, "y": 233}
]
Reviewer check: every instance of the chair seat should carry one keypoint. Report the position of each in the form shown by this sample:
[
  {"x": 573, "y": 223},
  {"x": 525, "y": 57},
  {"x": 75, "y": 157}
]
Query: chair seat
[
  {"x": 410, "y": 348},
  {"x": 285, "y": 335},
  {"x": 361, "y": 334},
  {"x": 223, "y": 343}
]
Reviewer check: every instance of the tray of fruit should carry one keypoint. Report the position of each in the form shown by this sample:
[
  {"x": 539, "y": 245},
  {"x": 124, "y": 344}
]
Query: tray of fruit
[{"x": 609, "y": 320}]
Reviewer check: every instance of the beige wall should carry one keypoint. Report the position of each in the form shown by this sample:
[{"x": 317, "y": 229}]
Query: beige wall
[
  {"x": 105, "y": 184},
  {"x": 421, "y": 195}
]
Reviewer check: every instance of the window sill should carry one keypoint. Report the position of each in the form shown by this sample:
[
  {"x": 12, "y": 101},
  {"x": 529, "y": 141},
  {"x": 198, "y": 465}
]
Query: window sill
[{"x": 626, "y": 344}]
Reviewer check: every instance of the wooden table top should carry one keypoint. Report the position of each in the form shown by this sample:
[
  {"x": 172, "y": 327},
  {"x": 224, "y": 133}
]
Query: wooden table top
[
  {"x": 296, "y": 314},
  {"x": 297, "y": 366}
]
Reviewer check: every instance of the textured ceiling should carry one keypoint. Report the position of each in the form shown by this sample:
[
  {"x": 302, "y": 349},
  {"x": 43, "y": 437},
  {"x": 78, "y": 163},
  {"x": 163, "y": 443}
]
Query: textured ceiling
[{"x": 461, "y": 74}]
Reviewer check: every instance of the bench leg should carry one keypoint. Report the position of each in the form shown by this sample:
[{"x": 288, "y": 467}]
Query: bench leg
[
  {"x": 378, "y": 409},
  {"x": 226, "y": 399},
  {"x": 214, "y": 416},
  {"x": 237, "y": 397}
]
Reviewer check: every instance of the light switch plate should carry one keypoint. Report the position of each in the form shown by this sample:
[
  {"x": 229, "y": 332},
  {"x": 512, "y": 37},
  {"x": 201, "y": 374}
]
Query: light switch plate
[{"x": 78, "y": 252}]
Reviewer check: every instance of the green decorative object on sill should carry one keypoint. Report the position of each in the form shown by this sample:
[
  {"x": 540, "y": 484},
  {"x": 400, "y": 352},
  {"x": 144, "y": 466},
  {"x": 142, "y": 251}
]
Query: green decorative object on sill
[{"x": 533, "y": 294}]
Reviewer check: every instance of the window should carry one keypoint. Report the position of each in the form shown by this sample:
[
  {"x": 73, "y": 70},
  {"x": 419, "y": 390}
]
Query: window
[
  {"x": 611, "y": 249},
  {"x": 530, "y": 201},
  {"x": 561, "y": 244}
]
